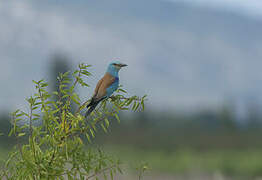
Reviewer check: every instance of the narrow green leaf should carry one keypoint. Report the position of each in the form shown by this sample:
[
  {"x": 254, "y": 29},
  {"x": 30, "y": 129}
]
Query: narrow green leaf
[
  {"x": 122, "y": 90},
  {"x": 44, "y": 85},
  {"x": 55, "y": 111},
  {"x": 103, "y": 127},
  {"x": 134, "y": 106},
  {"x": 34, "y": 108},
  {"x": 92, "y": 132},
  {"x": 38, "y": 103},
  {"x": 21, "y": 134},
  {"x": 11, "y": 132},
  {"x": 88, "y": 137},
  {"x": 117, "y": 117},
  {"x": 75, "y": 98},
  {"x": 36, "y": 115},
  {"x": 137, "y": 105},
  {"x": 11, "y": 156},
  {"x": 75, "y": 72},
  {"x": 19, "y": 115},
  {"x": 129, "y": 102},
  {"x": 143, "y": 104},
  {"x": 111, "y": 175},
  {"x": 107, "y": 122},
  {"x": 65, "y": 96}
]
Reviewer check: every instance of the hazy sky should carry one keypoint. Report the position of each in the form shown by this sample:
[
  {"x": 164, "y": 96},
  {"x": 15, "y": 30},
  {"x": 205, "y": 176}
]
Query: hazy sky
[
  {"x": 247, "y": 7},
  {"x": 183, "y": 55}
]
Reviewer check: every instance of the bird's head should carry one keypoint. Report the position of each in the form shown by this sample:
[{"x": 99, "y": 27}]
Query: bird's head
[{"x": 114, "y": 67}]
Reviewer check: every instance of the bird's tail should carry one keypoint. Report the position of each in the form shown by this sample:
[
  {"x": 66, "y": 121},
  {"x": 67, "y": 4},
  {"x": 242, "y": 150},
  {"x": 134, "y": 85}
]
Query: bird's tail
[
  {"x": 92, "y": 105},
  {"x": 91, "y": 109}
]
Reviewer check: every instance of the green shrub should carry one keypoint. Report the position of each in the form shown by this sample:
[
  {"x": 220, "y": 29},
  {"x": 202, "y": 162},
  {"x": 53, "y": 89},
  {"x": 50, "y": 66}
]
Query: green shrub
[{"x": 52, "y": 137}]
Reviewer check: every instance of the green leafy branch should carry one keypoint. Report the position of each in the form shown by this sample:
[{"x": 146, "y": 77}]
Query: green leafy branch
[{"x": 55, "y": 146}]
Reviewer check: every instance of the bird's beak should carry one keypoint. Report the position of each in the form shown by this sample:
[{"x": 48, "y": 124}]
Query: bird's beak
[{"x": 123, "y": 65}]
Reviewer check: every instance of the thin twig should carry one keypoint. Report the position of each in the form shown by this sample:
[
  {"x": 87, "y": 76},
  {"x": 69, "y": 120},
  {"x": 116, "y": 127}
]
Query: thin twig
[
  {"x": 111, "y": 97},
  {"x": 122, "y": 97},
  {"x": 81, "y": 107},
  {"x": 101, "y": 171},
  {"x": 30, "y": 120},
  {"x": 53, "y": 156},
  {"x": 31, "y": 132},
  {"x": 60, "y": 101},
  {"x": 76, "y": 81}
]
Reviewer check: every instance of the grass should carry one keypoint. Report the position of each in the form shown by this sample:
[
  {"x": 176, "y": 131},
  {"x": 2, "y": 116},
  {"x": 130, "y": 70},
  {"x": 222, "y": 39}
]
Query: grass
[
  {"x": 3, "y": 155},
  {"x": 234, "y": 163},
  {"x": 246, "y": 163}
]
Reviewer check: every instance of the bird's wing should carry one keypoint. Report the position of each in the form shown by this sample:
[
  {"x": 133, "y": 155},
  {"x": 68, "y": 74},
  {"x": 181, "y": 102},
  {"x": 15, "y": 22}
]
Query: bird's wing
[
  {"x": 102, "y": 85},
  {"x": 98, "y": 86}
]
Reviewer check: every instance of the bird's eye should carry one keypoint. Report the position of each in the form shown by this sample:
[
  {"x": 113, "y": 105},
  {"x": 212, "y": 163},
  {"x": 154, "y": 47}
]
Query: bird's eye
[{"x": 114, "y": 64}]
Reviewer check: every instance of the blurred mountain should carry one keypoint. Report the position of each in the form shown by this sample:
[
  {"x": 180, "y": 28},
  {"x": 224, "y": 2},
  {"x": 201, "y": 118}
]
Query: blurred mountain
[{"x": 185, "y": 57}]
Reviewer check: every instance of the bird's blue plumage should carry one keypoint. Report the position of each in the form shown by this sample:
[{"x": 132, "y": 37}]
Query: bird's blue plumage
[
  {"x": 112, "y": 70},
  {"x": 111, "y": 89}
]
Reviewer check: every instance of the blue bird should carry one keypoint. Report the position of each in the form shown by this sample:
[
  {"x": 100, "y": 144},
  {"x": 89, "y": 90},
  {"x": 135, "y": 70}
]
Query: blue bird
[{"x": 105, "y": 86}]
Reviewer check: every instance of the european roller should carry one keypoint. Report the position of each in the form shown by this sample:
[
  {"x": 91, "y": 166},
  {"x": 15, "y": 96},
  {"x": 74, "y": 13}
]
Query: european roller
[{"x": 106, "y": 86}]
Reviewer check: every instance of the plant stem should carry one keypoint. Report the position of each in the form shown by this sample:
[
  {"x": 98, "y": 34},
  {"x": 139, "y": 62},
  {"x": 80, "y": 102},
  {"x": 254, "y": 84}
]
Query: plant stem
[{"x": 101, "y": 171}]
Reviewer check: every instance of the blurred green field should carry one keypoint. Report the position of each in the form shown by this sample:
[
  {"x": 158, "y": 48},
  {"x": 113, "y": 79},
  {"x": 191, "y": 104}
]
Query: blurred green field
[
  {"x": 178, "y": 147},
  {"x": 237, "y": 164},
  {"x": 3, "y": 155},
  {"x": 232, "y": 163}
]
